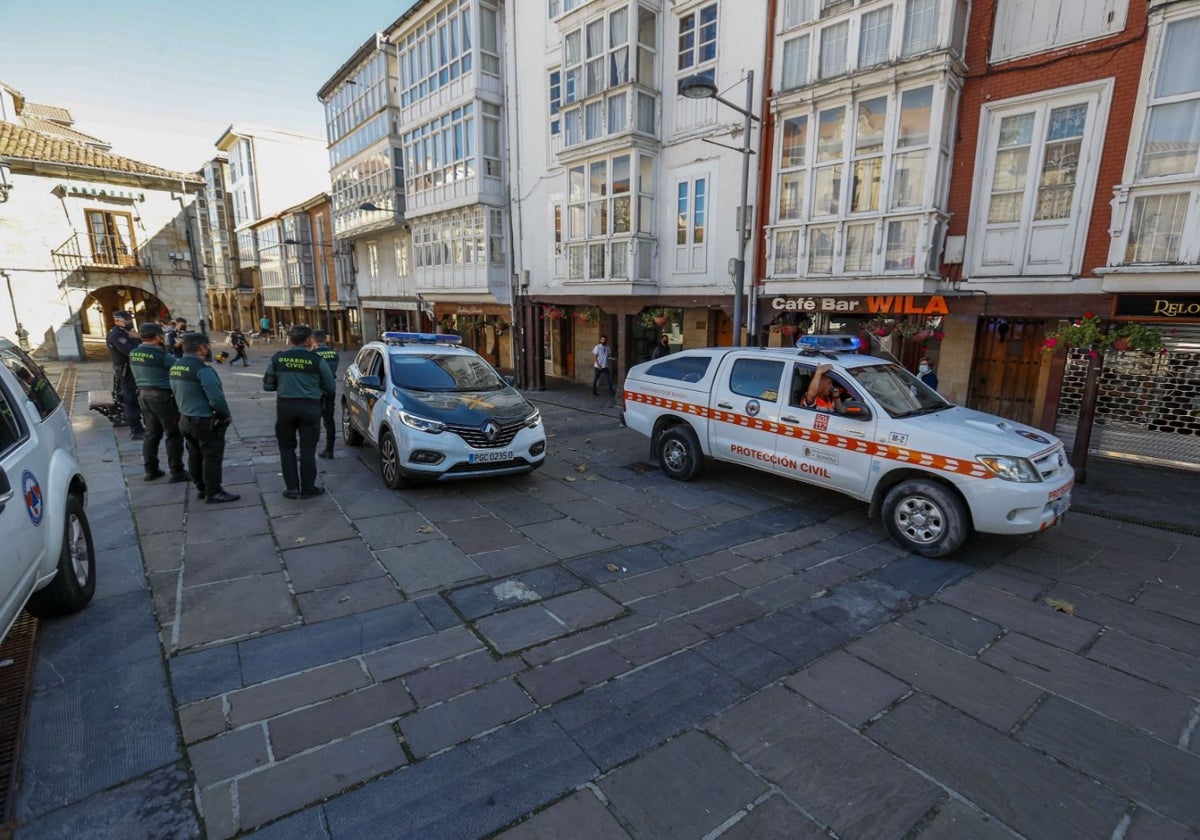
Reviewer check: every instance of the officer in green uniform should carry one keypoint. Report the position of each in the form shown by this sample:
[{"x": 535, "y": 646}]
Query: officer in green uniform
[
  {"x": 327, "y": 401},
  {"x": 151, "y": 366},
  {"x": 299, "y": 378},
  {"x": 203, "y": 417}
]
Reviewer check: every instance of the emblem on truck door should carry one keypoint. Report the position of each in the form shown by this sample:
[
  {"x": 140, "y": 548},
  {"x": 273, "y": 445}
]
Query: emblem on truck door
[{"x": 753, "y": 407}]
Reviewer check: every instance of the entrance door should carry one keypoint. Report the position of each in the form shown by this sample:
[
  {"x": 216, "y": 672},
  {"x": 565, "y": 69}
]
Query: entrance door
[
  {"x": 723, "y": 329},
  {"x": 1005, "y": 369}
]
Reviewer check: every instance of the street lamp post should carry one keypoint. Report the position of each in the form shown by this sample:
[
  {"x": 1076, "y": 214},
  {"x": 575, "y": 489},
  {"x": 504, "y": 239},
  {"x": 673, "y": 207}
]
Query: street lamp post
[{"x": 701, "y": 87}]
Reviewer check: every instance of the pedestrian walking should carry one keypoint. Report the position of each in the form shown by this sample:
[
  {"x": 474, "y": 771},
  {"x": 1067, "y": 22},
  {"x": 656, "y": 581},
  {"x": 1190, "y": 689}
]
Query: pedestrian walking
[
  {"x": 237, "y": 339},
  {"x": 299, "y": 378},
  {"x": 264, "y": 329},
  {"x": 181, "y": 329},
  {"x": 322, "y": 349},
  {"x": 203, "y": 417},
  {"x": 663, "y": 348},
  {"x": 600, "y": 366},
  {"x": 120, "y": 343},
  {"x": 151, "y": 365}
]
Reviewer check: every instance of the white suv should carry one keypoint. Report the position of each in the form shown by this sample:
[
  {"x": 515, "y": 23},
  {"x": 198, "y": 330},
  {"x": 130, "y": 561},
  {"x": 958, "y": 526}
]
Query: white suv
[
  {"x": 437, "y": 411},
  {"x": 47, "y": 557}
]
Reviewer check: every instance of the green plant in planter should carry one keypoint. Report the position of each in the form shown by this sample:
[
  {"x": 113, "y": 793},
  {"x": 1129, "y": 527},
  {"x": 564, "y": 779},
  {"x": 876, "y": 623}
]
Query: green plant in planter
[
  {"x": 587, "y": 315},
  {"x": 1089, "y": 332},
  {"x": 655, "y": 316}
]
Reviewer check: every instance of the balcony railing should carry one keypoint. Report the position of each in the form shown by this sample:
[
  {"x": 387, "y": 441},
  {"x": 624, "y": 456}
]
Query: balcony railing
[{"x": 99, "y": 250}]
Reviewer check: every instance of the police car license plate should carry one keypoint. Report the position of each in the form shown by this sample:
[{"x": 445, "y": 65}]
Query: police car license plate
[{"x": 490, "y": 457}]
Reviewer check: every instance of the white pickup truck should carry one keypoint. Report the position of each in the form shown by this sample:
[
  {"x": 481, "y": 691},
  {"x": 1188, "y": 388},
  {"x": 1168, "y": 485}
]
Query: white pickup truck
[{"x": 934, "y": 470}]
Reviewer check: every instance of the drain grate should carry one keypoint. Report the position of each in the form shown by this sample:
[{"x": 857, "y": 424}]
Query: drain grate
[{"x": 16, "y": 675}]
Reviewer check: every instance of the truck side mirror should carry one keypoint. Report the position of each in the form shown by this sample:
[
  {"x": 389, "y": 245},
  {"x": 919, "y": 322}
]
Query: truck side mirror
[{"x": 373, "y": 383}]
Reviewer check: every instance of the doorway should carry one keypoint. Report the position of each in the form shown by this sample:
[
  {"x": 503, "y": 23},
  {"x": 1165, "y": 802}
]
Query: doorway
[{"x": 1006, "y": 366}]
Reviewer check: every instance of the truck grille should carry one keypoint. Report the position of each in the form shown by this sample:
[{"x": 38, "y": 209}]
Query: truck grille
[
  {"x": 477, "y": 438},
  {"x": 1050, "y": 464}
]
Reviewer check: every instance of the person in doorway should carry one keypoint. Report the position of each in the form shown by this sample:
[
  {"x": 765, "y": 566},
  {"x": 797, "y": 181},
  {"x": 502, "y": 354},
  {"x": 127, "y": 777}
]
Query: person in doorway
[
  {"x": 600, "y": 369},
  {"x": 151, "y": 365},
  {"x": 237, "y": 340},
  {"x": 203, "y": 417},
  {"x": 299, "y": 378},
  {"x": 322, "y": 349},
  {"x": 120, "y": 344},
  {"x": 925, "y": 373},
  {"x": 663, "y": 348},
  {"x": 181, "y": 328}
]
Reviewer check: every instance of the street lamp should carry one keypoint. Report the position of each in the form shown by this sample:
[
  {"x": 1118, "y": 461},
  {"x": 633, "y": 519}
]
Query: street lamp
[
  {"x": 325, "y": 272},
  {"x": 702, "y": 87}
]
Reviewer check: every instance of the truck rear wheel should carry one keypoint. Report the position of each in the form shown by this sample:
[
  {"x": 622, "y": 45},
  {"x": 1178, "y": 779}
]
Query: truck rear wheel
[
  {"x": 75, "y": 582},
  {"x": 925, "y": 518},
  {"x": 679, "y": 453}
]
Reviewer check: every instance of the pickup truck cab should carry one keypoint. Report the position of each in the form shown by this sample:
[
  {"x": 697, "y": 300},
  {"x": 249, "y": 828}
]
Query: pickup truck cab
[
  {"x": 47, "y": 557},
  {"x": 933, "y": 470}
]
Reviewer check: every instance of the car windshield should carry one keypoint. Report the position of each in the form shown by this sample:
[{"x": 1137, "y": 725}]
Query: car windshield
[
  {"x": 436, "y": 372},
  {"x": 899, "y": 392}
]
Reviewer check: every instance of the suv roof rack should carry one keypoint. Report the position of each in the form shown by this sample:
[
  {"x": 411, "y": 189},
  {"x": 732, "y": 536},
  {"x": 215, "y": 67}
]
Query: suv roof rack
[{"x": 420, "y": 338}]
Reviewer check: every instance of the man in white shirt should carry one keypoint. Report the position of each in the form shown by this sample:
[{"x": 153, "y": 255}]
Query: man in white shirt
[{"x": 600, "y": 366}]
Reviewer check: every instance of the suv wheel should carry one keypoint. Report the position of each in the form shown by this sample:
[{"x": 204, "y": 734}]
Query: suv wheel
[
  {"x": 349, "y": 434},
  {"x": 679, "y": 453},
  {"x": 75, "y": 582},
  {"x": 925, "y": 518},
  {"x": 389, "y": 461}
]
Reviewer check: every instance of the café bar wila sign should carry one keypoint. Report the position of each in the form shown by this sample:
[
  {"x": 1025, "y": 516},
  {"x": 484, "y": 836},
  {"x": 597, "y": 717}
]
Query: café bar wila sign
[{"x": 866, "y": 305}]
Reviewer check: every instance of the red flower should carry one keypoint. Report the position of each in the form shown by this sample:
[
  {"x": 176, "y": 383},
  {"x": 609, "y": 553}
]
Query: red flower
[
  {"x": 1087, "y": 315},
  {"x": 1051, "y": 342}
]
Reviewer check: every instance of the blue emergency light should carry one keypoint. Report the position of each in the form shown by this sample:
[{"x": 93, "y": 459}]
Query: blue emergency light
[
  {"x": 421, "y": 338},
  {"x": 842, "y": 343}
]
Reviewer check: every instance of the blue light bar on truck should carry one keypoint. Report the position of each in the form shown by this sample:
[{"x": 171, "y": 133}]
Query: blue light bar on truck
[
  {"x": 421, "y": 338},
  {"x": 842, "y": 343}
]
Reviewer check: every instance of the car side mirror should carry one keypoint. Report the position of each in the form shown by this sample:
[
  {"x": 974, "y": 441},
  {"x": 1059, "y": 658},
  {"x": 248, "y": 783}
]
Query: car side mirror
[
  {"x": 855, "y": 410},
  {"x": 374, "y": 383}
]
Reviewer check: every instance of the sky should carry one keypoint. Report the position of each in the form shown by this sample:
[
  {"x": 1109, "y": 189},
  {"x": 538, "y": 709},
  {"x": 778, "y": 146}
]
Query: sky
[{"x": 162, "y": 79}]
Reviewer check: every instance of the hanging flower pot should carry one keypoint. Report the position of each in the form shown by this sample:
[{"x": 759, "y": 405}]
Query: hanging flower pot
[
  {"x": 789, "y": 329},
  {"x": 922, "y": 335},
  {"x": 1122, "y": 345},
  {"x": 883, "y": 332},
  {"x": 659, "y": 320}
]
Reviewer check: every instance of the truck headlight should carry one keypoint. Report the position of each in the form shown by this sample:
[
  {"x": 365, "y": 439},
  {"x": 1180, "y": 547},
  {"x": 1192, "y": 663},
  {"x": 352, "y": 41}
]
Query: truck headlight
[
  {"x": 534, "y": 420},
  {"x": 1010, "y": 468},
  {"x": 422, "y": 424}
]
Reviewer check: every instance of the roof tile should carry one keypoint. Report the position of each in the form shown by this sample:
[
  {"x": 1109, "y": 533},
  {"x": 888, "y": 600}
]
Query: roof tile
[{"x": 19, "y": 143}]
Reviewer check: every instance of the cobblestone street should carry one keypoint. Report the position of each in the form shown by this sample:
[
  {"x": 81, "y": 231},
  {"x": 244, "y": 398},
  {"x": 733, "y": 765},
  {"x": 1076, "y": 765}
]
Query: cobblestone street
[{"x": 615, "y": 653}]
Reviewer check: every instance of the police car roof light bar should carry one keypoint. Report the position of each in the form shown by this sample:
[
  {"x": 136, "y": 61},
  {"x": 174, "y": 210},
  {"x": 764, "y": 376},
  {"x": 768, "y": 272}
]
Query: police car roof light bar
[
  {"x": 421, "y": 338},
  {"x": 846, "y": 343}
]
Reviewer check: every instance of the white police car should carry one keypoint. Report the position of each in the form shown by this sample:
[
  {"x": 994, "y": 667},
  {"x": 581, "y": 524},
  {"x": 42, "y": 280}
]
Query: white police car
[
  {"x": 437, "y": 411},
  {"x": 46, "y": 557}
]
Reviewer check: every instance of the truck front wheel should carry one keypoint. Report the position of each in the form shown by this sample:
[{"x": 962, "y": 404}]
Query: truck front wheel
[
  {"x": 679, "y": 453},
  {"x": 925, "y": 518}
]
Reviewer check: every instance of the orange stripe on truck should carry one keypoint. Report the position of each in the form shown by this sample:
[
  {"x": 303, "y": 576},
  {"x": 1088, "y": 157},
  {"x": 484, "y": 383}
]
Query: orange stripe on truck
[{"x": 929, "y": 460}]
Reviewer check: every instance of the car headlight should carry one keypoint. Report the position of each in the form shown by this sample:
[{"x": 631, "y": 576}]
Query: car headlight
[
  {"x": 422, "y": 424},
  {"x": 1010, "y": 468},
  {"x": 534, "y": 420}
]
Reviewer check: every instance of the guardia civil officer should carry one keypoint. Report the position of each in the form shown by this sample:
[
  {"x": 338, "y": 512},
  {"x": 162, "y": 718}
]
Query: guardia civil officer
[
  {"x": 300, "y": 378},
  {"x": 203, "y": 417},
  {"x": 120, "y": 343},
  {"x": 327, "y": 400},
  {"x": 151, "y": 366}
]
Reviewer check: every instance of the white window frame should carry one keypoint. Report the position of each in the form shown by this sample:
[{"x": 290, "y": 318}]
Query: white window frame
[
  {"x": 1097, "y": 96},
  {"x": 699, "y": 57},
  {"x": 692, "y": 193}
]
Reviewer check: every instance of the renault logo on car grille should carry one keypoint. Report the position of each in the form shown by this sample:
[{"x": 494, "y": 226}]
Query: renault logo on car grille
[{"x": 490, "y": 431}]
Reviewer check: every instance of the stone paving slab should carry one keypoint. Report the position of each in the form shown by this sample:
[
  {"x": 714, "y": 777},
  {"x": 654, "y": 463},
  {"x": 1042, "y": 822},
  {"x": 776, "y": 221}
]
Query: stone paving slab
[
  {"x": 220, "y": 560},
  {"x": 1037, "y": 620},
  {"x": 956, "y": 820},
  {"x": 1026, "y": 790},
  {"x": 952, "y": 627},
  {"x": 565, "y": 537},
  {"x": 467, "y": 792},
  {"x": 1148, "y": 661},
  {"x": 407, "y": 657},
  {"x": 305, "y": 529},
  {"x": 1146, "y": 770},
  {"x": 984, "y": 693},
  {"x": 393, "y": 530},
  {"x": 704, "y": 784},
  {"x": 226, "y": 523},
  {"x": 580, "y": 816},
  {"x": 347, "y": 599},
  {"x": 480, "y": 533},
  {"x": 430, "y": 730},
  {"x": 337, "y": 718},
  {"x": 774, "y": 817},
  {"x": 1156, "y": 710},
  {"x": 834, "y": 774},
  {"x": 229, "y": 754},
  {"x": 449, "y": 679},
  {"x": 332, "y": 564},
  {"x": 504, "y": 562},
  {"x": 428, "y": 566},
  {"x": 848, "y": 688},
  {"x": 487, "y": 598},
  {"x": 234, "y": 608},
  {"x": 565, "y": 677}
]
